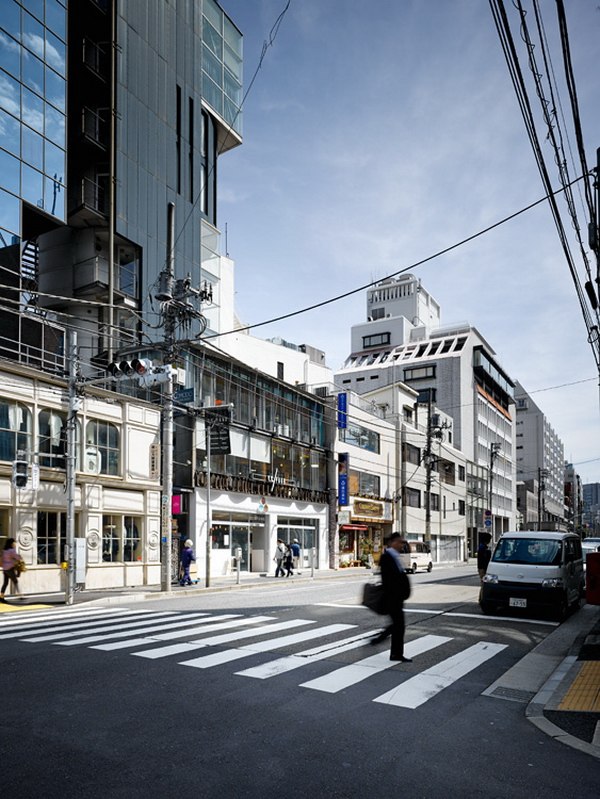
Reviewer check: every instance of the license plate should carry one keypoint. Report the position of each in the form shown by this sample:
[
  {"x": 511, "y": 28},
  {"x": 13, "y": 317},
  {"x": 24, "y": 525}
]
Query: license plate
[{"x": 516, "y": 602}]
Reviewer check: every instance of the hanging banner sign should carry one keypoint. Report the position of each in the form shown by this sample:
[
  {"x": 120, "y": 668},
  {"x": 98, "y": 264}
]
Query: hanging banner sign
[
  {"x": 343, "y": 471},
  {"x": 217, "y": 421},
  {"x": 342, "y": 410}
]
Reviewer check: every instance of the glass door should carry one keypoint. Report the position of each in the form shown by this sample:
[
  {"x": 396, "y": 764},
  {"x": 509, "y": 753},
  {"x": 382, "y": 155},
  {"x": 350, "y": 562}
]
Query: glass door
[{"x": 240, "y": 537}]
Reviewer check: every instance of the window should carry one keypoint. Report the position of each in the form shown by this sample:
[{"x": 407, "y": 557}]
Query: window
[
  {"x": 280, "y": 370},
  {"x": 378, "y": 340},
  {"x": 104, "y": 437},
  {"x": 461, "y": 473},
  {"x": 418, "y": 373},
  {"x": 412, "y": 454},
  {"x": 15, "y": 430},
  {"x": 434, "y": 501},
  {"x": 412, "y": 497},
  {"x": 360, "y": 437},
  {"x": 461, "y": 507},
  {"x": 52, "y": 438},
  {"x": 364, "y": 484},
  {"x": 121, "y": 538},
  {"x": 51, "y": 537},
  {"x": 377, "y": 313}
]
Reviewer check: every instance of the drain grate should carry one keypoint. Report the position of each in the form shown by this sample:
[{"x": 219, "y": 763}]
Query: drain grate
[{"x": 512, "y": 694}]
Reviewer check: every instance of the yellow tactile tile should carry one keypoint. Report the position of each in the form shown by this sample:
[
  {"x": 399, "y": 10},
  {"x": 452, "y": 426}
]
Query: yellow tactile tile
[
  {"x": 584, "y": 693},
  {"x": 6, "y": 608}
]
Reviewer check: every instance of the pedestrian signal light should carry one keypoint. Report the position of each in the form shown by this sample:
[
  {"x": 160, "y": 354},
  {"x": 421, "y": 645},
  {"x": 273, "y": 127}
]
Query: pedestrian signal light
[{"x": 20, "y": 473}]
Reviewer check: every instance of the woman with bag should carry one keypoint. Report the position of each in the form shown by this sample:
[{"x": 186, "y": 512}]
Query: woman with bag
[{"x": 11, "y": 566}]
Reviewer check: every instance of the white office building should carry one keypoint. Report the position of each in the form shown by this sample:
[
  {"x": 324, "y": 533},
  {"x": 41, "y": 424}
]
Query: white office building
[{"x": 453, "y": 367}]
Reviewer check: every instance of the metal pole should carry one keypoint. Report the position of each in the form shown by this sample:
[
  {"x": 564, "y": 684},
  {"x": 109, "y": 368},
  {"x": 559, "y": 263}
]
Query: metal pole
[
  {"x": 70, "y": 465},
  {"x": 167, "y": 491},
  {"x": 208, "y": 524},
  {"x": 428, "y": 464}
]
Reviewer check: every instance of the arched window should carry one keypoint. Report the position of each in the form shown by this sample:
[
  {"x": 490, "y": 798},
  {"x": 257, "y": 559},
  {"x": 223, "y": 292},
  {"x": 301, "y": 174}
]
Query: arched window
[
  {"x": 15, "y": 429},
  {"x": 104, "y": 437}
]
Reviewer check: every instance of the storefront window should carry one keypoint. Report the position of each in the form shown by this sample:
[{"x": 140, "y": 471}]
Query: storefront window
[
  {"x": 121, "y": 538},
  {"x": 105, "y": 437}
]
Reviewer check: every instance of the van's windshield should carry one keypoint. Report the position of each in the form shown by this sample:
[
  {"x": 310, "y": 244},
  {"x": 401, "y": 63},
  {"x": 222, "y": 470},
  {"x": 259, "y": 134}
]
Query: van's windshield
[{"x": 528, "y": 550}]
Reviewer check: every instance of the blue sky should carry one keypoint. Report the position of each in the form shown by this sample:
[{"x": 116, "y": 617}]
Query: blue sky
[{"x": 376, "y": 135}]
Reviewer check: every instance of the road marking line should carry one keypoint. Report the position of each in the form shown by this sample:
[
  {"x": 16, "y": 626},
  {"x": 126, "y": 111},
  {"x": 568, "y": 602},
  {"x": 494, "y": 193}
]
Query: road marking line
[
  {"x": 218, "y": 658},
  {"x": 222, "y": 639},
  {"x": 79, "y": 624},
  {"x": 356, "y": 672},
  {"x": 422, "y": 687},
  {"x": 291, "y": 662}
]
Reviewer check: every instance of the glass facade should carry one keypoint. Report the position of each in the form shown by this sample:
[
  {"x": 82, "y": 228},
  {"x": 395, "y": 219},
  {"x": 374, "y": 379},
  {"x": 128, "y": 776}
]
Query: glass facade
[
  {"x": 222, "y": 65},
  {"x": 33, "y": 60}
]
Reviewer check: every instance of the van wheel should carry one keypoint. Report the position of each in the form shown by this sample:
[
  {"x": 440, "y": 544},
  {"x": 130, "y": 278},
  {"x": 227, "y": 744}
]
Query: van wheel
[
  {"x": 414, "y": 568},
  {"x": 429, "y": 566},
  {"x": 562, "y": 608},
  {"x": 486, "y": 607}
]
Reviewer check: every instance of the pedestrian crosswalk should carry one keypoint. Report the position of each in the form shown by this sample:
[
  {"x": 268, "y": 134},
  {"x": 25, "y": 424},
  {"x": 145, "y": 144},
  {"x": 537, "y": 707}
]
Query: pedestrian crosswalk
[{"x": 205, "y": 640}]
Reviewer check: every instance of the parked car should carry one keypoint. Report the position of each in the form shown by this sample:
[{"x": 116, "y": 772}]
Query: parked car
[
  {"x": 418, "y": 556},
  {"x": 535, "y": 572},
  {"x": 589, "y": 545}
]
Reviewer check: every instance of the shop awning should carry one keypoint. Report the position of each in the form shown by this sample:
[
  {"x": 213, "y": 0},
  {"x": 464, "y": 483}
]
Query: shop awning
[{"x": 353, "y": 527}]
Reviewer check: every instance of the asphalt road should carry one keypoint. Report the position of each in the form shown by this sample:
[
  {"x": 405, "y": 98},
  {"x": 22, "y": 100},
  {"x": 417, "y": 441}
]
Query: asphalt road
[{"x": 294, "y": 705}]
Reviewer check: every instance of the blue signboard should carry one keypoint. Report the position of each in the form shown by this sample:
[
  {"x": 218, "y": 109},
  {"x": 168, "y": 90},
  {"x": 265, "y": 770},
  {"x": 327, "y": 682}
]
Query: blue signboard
[
  {"x": 343, "y": 470},
  {"x": 342, "y": 410}
]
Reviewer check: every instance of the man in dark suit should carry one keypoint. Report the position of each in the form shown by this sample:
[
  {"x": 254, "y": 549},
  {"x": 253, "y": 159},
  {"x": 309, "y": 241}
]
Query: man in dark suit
[{"x": 393, "y": 578}]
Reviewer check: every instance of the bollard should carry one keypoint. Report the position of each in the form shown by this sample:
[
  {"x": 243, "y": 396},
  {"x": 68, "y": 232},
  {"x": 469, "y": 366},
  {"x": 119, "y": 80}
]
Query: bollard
[{"x": 592, "y": 578}]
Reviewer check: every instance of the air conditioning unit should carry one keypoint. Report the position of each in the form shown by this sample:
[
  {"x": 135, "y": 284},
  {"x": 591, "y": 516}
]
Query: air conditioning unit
[{"x": 93, "y": 460}]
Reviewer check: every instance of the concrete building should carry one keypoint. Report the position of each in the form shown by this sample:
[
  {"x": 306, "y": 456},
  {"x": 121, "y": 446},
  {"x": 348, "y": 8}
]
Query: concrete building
[
  {"x": 540, "y": 464},
  {"x": 402, "y": 342},
  {"x": 573, "y": 499},
  {"x": 117, "y": 493},
  {"x": 591, "y": 508}
]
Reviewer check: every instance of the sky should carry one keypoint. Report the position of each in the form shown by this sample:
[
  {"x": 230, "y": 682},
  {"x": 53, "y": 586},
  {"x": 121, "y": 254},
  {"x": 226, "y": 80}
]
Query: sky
[{"x": 377, "y": 134}]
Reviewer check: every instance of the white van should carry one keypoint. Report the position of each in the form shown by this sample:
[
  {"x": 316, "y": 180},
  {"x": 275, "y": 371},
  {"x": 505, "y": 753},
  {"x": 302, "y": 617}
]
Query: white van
[
  {"x": 534, "y": 571},
  {"x": 418, "y": 556}
]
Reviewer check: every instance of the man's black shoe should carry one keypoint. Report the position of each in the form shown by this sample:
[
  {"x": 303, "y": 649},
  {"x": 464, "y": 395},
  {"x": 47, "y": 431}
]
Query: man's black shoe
[{"x": 401, "y": 659}]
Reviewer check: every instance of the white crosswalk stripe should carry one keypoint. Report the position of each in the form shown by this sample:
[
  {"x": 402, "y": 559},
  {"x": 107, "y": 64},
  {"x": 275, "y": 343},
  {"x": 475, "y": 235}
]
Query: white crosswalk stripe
[
  {"x": 149, "y": 625},
  {"x": 291, "y": 662},
  {"x": 221, "y": 639},
  {"x": 349, "y": 675},
  {"x": 55, "y": 617},
  {"x": 106, "y": 628},
  {"x": 424, "y": 686},
  {"x": 215, "y": 622},
  {"x": 227, "y": 625},
  {"x": 79, "y": 624},
  {"x": 228, "y": 655}
]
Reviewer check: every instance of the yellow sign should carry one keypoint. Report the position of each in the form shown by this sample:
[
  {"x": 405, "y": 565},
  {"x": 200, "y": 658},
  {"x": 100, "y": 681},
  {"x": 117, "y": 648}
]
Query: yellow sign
[{"x": 364, "y": 507}]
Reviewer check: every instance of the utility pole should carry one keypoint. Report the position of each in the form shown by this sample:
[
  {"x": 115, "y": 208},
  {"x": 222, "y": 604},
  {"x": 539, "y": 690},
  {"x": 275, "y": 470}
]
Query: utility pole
[
  {"x": 494, "y": 452},
  {"x": 542, "y": 474},
  {"x": 428, "y": 458},
  {"x": 176, "y": 309},
  {"x": 208, "y": 513},
  {"x": 71, "y": 462},
  {"x": 166, "y": 534}
]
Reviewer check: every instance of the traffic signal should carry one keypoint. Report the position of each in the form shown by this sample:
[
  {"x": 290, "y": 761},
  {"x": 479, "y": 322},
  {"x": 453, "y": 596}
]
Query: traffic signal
[
  {"x": 126, "y": 368},
  {"x": 20, "y": 473}
]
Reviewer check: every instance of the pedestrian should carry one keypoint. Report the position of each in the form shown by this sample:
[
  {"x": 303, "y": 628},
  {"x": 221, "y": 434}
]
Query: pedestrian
[
  {"x": 396, "y": 589},
  {"x": 187, "y": 558},
  {"x": 288, "y": 560},
  {"x": 279, "y": 557},
  {"x": 296, "y": 555},
  {"x": 10, "y": 567},
  {"x": 484, "y": 553}
]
